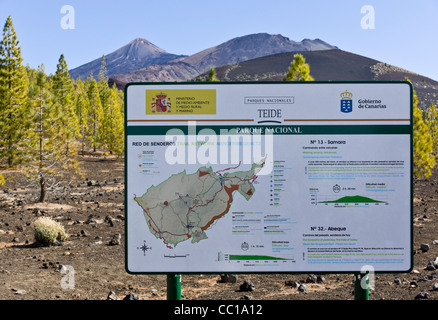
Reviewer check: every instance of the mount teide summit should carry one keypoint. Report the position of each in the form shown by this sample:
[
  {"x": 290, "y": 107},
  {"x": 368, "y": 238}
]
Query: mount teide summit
[
  {"x": 250, "y": 47},
  {"x": 135, "y": 55},
  {"x": 140, "y": 60}
]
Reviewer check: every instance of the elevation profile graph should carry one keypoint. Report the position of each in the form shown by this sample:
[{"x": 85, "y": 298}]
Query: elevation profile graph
[
  {"x": 343, "y": 201},
  {"x": 252, "y": 259},
  {"x": 353, "y": 199}
]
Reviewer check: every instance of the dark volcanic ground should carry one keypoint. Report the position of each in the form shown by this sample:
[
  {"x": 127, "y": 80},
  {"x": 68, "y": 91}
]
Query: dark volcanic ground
[{"x": 92, "y": 212}]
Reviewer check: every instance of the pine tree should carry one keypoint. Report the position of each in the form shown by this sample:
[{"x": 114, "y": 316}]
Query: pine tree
[
  {"x": 102, "y": 83},
  {"x": 431, "y": 120},
  {"x": 95, "y": 114},
  {"x": 121, "y": 96},
  {"x": 103, "y": 72},
  {"x": 105, "y": 100},
  {"x": 13, "y": 97},
  {"x": 81, "y": 110},
  {"x": 299, "y": 70},
  {"x": 112, "y": 135},
  {"x": 212, "y": 76},
  {"x": 110, "y": 131},
  {"x": 63, "y": 90},
  {"x": 424, "y": 160},
  {"x": 47, "y": 163}
]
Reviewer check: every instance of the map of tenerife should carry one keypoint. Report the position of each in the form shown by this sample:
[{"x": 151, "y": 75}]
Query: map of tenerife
[{"x": 185, "y": 205}]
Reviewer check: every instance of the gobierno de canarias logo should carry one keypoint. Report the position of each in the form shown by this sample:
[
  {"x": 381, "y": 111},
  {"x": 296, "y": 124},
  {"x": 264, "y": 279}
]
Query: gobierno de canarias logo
[{"x": 346, "y": 102}]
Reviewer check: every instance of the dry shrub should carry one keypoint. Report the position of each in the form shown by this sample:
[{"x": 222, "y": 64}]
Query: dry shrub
[{"x": 48, "y": 231}]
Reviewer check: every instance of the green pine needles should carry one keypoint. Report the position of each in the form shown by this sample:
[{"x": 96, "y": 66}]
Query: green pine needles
[
  {"x": 299, "y": 70},
  {"x": 424, "y": 139},
  {"x": 13, "y": 97}
]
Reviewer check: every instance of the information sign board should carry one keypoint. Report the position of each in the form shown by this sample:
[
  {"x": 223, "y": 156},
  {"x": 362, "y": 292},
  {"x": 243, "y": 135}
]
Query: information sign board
[{"x": 275, "y": 177}]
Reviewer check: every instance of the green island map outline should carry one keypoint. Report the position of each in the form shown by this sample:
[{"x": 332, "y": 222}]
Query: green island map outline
[{"x": 222, "y": 187}]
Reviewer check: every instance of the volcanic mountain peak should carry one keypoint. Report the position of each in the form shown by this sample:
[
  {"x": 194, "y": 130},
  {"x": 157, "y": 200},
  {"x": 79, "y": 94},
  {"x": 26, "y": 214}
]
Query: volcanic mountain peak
[
  {"x": 135, "y": 55},
  {"x": 139, "y": 48},
  {"x": 249, "y": 47}
]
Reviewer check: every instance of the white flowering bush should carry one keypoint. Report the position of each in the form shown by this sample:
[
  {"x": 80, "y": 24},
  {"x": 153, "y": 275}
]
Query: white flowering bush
[{"x": 47, "y": 231}]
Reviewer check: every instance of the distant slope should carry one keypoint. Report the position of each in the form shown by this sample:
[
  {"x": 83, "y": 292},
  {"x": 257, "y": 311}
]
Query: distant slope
[
  {"x": 133, "y": 56},
  {"x": 167, "y": 72},
  {"x": 324, "y": 65},
  {"x": 329, "y": 65}
]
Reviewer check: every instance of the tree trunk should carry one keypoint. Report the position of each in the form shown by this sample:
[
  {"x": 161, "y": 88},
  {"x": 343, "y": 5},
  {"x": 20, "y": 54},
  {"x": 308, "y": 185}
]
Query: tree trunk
[
  {"x": 42, "y": 181},
  {"x": 42, "y": 190}
]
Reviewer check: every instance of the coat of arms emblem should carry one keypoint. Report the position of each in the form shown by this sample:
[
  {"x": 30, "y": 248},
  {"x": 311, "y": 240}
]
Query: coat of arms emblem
[
  {"x": 161, "y": 103},
  {"x": 346, "y": 102}
]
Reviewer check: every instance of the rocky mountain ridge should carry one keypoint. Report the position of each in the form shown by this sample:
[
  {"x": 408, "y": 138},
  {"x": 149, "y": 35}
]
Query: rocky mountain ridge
[{"x": 141, "y": 60}]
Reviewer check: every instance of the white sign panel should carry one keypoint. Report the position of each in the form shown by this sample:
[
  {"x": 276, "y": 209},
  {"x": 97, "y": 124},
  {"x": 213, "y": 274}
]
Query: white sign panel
[{"x": 268, "y": 177}]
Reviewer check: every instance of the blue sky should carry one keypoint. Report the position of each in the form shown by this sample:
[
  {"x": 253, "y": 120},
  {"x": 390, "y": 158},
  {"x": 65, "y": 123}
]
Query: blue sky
[{"x": 404, "y": 34}]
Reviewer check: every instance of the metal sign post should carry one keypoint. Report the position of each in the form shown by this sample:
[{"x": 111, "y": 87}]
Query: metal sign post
[
  {"x": 361, "y": 293},
  {"x": 173, "y": 287}
]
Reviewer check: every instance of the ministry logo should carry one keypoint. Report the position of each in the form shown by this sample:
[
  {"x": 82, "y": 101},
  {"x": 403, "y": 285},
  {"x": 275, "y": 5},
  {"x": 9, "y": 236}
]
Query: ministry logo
[
  {"x": 160, "y": 103},
  {"x": 346, "y": 102}
]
